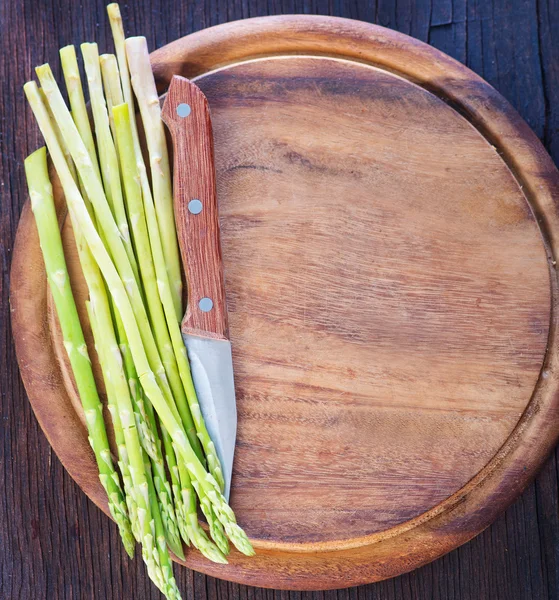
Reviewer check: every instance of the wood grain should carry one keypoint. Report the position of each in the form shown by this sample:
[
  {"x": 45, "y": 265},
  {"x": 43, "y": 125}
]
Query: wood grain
[
  {"x": 42, "y": 514},
  {"x": 198, "y": 233},
  {"x": 367, "y": 270}
]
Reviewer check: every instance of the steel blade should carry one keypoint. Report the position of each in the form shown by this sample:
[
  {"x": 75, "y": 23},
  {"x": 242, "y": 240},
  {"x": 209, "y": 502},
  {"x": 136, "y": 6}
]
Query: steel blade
[{"x": 211, "y": 364}]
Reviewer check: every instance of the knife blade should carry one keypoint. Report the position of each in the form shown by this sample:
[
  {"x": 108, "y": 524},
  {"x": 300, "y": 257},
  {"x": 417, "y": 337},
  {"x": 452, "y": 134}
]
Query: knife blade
[{"x": 204, "y": 326}]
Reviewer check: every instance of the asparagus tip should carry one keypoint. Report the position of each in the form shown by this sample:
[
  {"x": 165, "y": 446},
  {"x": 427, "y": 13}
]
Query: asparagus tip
[{"x": 176, "y": 549}]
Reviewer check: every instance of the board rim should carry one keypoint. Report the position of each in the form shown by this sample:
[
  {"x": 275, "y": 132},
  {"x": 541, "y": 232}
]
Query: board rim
[{"x": 506, "y": 475}]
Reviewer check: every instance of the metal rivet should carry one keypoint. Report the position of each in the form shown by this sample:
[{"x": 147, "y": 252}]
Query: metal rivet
[
  {"x": 183, "y": 110},
  {"x": 195, "y": 206},
  {"x": 206, "y": 304}
]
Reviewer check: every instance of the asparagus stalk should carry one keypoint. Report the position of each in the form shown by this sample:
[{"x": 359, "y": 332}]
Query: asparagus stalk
[
  {"x": 125, "y": 430},
  {"x": 149, "y": 438},
  {"x": 42, "y": 204},
  {"x": 142, "y": 244},
  {"x": 150, "y": 277},
  {"x": 107, "y": 151},
  {"x": 216, "y": 528},
  {"x": 152, "y": 553},
  {"x": 143, "y": 84},
  {"x": 197, "y": 535},
  {"x": 110, "y": 169},
  {"x": 174, "y": 271},
  {"x": 170, "y": 587},
  {"x": 171, "y": 460},
  {"x": 91, "y": 272},
  {"x": 138, "y": 49},
  {"x": 65, "y": 150},
  {"x": 73, "y": 81},
  {"x": 118, "y": 291},
  {"x": 79, "y": 115},
  {"x": 123, "y": 461},
  {"x": 120, "y": 408},
  {"x": 111, "y": 85},
  {"x": 130, "y": 174},
  {"x": 94, "y": 189},
  {"x": 117, "y": 29}
]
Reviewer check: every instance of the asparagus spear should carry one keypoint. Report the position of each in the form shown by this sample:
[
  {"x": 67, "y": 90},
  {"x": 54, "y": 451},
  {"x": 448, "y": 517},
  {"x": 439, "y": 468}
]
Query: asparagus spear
[
  {"x": 94, "y": 189},
  {"x": 118, "y": 291},
  {"x": 126, "y": 436},
  {"x": 130, "y": 174},
  {"x": 112, "y": 184},
  {"x": 198, "y": 536},
  {"x": 107, "y": 152},
  {"x": 125, "y": 431},
  {"x": 152, "y": 553},
  {"x": 80, "y": 115},
  {"x": 72, "y": 78},
  {"x": 144, "y": 415},
  {"x": 42, "y": 204},
  {"x": 143, "y": 84},
  {"x": 142, "y": 242},
  {"x": 171, "y": 461},
  {"x": 216, "y": 528},
  {"x": 123, "y": 461},
  {"x": 111, "y": 85},
  {"x": 150, "y": 277},
  {"x": 96, "y": 286},
  {"x": 170, "y": 587},
  {"x": 65, "y": 150},
  {"x": 136, "y": 48},
  {"x": 149, "y": 438},
  {"x": 118, "y": 36}
]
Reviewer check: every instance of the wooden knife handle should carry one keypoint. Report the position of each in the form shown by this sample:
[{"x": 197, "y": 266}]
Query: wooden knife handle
[{"x": 187, "y": 115}]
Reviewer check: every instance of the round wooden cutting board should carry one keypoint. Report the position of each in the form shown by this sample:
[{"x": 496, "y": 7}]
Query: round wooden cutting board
[{"x": 388, "y": 226}]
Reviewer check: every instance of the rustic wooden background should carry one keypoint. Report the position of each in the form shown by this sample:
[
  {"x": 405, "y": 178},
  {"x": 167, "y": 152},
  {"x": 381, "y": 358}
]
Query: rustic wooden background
[{"x": 53, "y": 542}]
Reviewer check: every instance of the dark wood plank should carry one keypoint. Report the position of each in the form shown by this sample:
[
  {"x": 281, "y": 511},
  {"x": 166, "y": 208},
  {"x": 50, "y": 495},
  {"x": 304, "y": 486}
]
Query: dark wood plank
[
  {"x": 53, "y": 542},
  {"x": 549, "y": 56}
]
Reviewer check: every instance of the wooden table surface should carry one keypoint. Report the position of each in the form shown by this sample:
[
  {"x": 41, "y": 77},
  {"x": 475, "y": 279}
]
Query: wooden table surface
[{"x": 53, "y": 542}]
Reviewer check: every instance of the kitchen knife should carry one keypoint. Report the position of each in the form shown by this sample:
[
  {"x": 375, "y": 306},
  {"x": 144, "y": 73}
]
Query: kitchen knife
[{"x": 204, "y": 326}]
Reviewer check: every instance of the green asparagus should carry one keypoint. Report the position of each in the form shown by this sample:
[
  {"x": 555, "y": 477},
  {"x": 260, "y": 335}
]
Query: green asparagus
[
  {"x": 149, "y": 382},
  {"x": 42, "y": 204}
]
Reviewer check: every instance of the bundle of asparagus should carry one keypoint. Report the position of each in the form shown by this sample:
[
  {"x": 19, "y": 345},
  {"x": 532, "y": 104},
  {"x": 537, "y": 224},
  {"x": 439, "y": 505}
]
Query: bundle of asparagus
[{"x": 127, "y": 247}]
